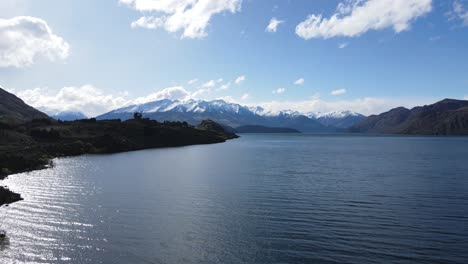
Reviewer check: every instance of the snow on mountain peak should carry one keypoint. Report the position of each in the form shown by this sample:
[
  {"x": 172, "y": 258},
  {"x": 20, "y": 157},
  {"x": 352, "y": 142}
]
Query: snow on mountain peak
[
  {"x": 221, "y": 106},
  {"x": 334, "y": 114}
]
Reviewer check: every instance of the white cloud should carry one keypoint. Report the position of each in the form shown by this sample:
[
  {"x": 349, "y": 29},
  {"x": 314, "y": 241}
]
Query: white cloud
[
  {"x": 224, "y": 86},
  {"x": 191, "y": 17},
  {"x": 219, "y": 80},
  {"x": 88, "y": 99},
  {"x": 459, "y": 12},
  {"x": 173, "y": 93},
  {"x": 466, "y": 97},
  {"x": 210, "y": 83},
  {"x": 245, "y": 96},
  {"x": 93, "y": 101},
  {"x": 240, "y": 80},
  {"x": 366, "y": 106},
  {"x": 273, "y": 25},
  {"x": 193, "y": 81},
  {"x": 279, "y": 91},
  {"x": 343, "y": 45},
  {"x": 355, "y": 17},
  {"x": 200, "y": 92},
  {"x": 300, "y": 81},
  {"x": 23, "y": 39},
  {"x": 228, "y": 99},
  {"x": 338, "y": 92}
]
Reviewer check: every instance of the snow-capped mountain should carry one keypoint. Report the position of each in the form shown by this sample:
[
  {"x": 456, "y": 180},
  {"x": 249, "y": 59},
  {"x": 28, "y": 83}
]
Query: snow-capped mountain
[
  {"x": 335, "y": 114},
  {"x": 190, "y": 106},
  {"x": 69, "y": 116},
  {"x": 230, "y": 114},
  {"x": 339, "y": 119},
  {"x": 63, "y": 115}
]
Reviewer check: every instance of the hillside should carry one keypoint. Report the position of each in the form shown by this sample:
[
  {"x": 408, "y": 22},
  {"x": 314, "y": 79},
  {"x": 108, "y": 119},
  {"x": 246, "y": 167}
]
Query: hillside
[
  {"x": 447, "y": 117},
  {"x": 14, "y": 110}
]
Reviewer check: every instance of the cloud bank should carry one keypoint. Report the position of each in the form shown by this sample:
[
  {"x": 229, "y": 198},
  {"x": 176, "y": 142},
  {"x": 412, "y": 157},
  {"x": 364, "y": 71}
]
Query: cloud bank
[
  {"x": 23, "y": 39},
  {"x": 353, "y": 18},
  {"x": 93, "y": 101},
  {"x": 366, "y": 106},
  {"x": 191, "y": 17},
  {"x": 87, "y": 99}
]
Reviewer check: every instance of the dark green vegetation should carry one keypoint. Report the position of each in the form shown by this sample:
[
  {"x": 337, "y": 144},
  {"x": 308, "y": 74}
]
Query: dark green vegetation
[
  {"x": 447, "y": 117},
  {"x": 29, "y": 139},
  {"x": 263, "y": 129}
]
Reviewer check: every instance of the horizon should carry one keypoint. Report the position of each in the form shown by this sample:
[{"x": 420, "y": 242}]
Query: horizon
[
  {"x": 281, "y": 56},
  {"x": 264, "y": 111}
]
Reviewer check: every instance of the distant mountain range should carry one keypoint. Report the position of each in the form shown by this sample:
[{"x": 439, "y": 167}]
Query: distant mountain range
[
  {"x": 235, "y": 115},
  {"x": 14, "y": 110},
  {"x": 69, "y": 116},
  {"x": 63, "y": 115},
  {"x": 343, "y": 119},
  {"x": 447, "y": 117}
]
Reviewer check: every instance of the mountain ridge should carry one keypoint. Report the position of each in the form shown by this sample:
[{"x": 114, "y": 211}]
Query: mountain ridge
[
  {"x": 446, "y": 117},
  {"x": 233, "y": 115}
]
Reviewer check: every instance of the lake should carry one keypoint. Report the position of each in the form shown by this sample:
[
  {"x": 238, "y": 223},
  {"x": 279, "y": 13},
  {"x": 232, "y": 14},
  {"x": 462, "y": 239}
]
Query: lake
[{"x": 257, "y": 199}]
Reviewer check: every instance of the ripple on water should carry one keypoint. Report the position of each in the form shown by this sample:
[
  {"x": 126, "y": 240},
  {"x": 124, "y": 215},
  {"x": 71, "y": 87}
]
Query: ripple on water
[{"x": 260, "y": 199}]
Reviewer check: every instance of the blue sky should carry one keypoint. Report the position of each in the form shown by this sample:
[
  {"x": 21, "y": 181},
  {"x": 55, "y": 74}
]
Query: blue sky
[{"x": 361, "y": 55}]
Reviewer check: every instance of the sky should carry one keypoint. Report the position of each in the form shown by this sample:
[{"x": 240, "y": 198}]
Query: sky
[{"x": 323, "y": 55}]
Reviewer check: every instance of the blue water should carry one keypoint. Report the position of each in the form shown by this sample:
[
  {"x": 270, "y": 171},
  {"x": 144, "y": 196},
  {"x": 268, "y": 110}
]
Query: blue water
[{"x": 258, "y": 199}]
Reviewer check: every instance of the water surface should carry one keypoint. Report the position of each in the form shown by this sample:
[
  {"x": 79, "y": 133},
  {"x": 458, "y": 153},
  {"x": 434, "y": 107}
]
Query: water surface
[{"x": 258, "y": 199}]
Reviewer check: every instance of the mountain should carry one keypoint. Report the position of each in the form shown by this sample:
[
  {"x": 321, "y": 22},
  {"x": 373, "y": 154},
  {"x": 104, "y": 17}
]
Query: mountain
[
  {"x": 63, "y": 115},
  {"x": 69, "y": 116},
  {"x": 342, "y": 119},
  {"x": 447, "y": 117},
  {"x": 229, "y": 114},
  {"x": 264, "y": 129},
  {"x": 14, "y": 110}
]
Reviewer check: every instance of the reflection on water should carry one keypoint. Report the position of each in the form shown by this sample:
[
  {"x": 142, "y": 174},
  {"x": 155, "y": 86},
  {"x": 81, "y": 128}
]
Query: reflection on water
[
  {"x": 259, "y": 199},
  {"x": 4, "y": 243}
]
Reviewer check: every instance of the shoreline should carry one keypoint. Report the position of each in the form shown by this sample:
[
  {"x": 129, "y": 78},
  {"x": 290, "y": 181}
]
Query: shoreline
[
  {"x": 8, "y": 197},
  {"x": 33, "y": 146}
]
